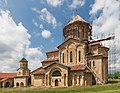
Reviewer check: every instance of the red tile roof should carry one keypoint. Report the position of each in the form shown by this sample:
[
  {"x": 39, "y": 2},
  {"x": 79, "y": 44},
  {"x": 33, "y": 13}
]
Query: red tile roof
[
  {"x": 4, "y": 79},
  {"x": 7, "y": 75},
  {"x": 77, "y": 67},
  {"x": 40, "y": 71},
  {"x": 50, "y": 60}
]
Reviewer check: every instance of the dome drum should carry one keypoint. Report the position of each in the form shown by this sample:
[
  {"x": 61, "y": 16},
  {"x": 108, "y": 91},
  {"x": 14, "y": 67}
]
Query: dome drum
[{"x": 78, "y": 30}]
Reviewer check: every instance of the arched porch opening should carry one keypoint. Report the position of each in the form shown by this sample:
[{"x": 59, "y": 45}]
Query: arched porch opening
[
  {"x": 17, "y": 84},
  {"x": 7, "y": 85},
  {"x": 21, "y": 84}
]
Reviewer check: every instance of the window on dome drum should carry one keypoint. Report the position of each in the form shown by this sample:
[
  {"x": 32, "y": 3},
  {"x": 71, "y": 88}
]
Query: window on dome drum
[
  {"x": 90, "y": 63},
  {"x": 78, "y": 34},
  {"x": 56, "y": 73},
  {"x": 79, "y": 56},
  {"x": 93, "y": 63},
  {"x": 63, "y": 57},
  {"x": 70, "y": 56},
  {"x": 83, "y": 33}
]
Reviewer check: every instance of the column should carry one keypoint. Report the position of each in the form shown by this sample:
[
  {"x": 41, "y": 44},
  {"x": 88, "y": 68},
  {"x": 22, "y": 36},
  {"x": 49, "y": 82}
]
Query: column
[
  {"x": 82, "y": 81},
  {"x": 66, "y": 80},
  {"x": 48, "y": 80},
  {"x": 3, "y": 84},
  {"x": 67, "y": 55},
  {"x": 60, "y": 56},
  {"x": 76, "y": 54},
  {"x": 77, "y": 80},
  {"x": 73, "y": 81}
]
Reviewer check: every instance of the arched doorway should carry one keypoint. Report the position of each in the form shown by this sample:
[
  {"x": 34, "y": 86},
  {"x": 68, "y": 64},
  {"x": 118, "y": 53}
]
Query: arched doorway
[
  {"x": 56, "y": 74},
  {"x": 56, "y": 82},
  {"x": 29, "y": 81},
  {"x": 17, "y": 84},
  {"x": 7, "y": 85},
  {"x": 21, "y": 84}
]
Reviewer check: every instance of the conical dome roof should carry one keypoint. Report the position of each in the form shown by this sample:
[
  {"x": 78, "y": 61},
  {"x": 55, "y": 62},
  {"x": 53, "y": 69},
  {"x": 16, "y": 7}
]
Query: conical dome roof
[
  {"x": 23, "y": 60},
  {"x": 76, "y": 18}
]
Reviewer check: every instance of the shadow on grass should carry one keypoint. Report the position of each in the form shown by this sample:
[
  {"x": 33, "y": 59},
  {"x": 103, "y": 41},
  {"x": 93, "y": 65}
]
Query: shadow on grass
[{"x": 112, "y": 81}]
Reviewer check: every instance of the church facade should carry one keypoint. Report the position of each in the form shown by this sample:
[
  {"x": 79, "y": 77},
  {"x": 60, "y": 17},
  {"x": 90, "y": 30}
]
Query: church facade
[{"x": 76, "y": 62}]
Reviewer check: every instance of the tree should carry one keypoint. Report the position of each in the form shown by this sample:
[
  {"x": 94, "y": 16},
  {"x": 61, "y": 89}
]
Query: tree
[{"x": 117, "y": 75}]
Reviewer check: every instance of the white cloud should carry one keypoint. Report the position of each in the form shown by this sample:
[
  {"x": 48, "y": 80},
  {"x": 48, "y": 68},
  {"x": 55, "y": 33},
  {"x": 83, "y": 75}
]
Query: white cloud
[
  {"x": 41, "y": 26},
  {"x": 33, "y": 55},
  {"x": 46, "y": 34},
  {"x": 48, "y": 17},
  {"x": 36, "y": 10},
  {"x": 14, "y": 43},
  {"x": 55, "y": 3},
  {"x": 3, "y": 3},
  {"x": 77, "y": 3},
  {"x": 97, "y": 6},
  {"x": 108, "y": 20},
  {"x": 35, "y": 23}
]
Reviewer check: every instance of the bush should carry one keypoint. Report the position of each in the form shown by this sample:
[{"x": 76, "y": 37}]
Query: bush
[{"x": 117, "y": 75}]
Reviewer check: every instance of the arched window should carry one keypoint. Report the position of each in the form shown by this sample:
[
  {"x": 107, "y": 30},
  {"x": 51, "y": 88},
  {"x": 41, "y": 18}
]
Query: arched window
[
  {"x": 19, "y": 73},
  {"x": 78, "y": 33},
  {"x": 21, "y": 84},
  {"x": 83, "y": 33},
  {"x": 90, "y": 63},
  {"x": 93, "y": 63},
  {"x": 17, "y": 84},
  {"x": 79, "y": 56},
  {"x": 70, "y": 56},
  {"x": 56, "y": 73},
  {"x": 63, "y": 57}
]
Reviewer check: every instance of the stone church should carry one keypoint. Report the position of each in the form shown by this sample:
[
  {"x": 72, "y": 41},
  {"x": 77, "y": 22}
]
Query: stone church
[{"x": 78, "y": 61}]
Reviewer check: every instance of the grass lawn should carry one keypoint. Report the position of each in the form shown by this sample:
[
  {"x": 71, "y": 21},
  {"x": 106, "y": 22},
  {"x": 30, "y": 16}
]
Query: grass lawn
[{"x": 112, "y": 87}]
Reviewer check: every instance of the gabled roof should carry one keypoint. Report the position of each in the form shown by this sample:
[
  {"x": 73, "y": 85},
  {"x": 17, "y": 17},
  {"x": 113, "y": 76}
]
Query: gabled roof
[
  {"x": 7, "y": 75},
  {"x": 40, "y": 72},
  {"x": 77, "y": 67},
  {"x": 56, "y": 63},
  {"x": 67, "y": 41},
  {"x": 76, "y": 18},
  {"x": 23, "y": 69},
  {"x": 36, "y": 70},
  {"x": 4, "y": 79},
  {"x": 51, "y": 51},
  {"x": 50, "y": 60}
]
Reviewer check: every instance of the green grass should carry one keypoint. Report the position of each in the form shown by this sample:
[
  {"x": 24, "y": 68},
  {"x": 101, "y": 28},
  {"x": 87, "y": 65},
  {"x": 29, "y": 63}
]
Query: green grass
[{"x": 111, "y": 87}]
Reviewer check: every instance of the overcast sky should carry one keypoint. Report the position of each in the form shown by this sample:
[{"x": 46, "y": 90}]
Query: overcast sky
[{"x": 29, "y": 28}]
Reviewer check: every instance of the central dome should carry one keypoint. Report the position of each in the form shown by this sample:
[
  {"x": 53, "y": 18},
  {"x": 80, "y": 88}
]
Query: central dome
[{"x": 77, "y": 28}]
